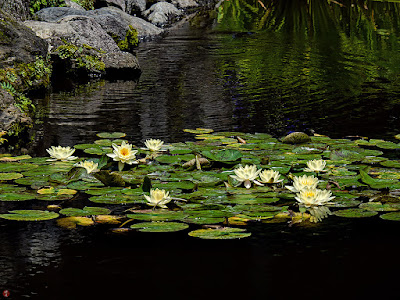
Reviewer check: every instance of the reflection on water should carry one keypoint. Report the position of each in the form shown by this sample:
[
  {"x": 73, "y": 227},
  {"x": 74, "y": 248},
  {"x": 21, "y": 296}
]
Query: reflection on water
[{"x": 295, "y": 65}]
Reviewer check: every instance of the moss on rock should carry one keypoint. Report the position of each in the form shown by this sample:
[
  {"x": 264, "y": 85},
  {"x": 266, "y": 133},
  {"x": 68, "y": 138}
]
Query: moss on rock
[{"x": 296, "y": 138}]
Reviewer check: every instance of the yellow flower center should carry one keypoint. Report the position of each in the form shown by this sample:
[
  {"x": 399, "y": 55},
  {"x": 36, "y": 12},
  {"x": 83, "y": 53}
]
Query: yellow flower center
[{"x": 124, "y": 151}]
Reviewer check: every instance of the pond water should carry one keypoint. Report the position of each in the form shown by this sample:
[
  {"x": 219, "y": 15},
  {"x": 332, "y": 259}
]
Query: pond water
[{"x": 295, "y": 65}]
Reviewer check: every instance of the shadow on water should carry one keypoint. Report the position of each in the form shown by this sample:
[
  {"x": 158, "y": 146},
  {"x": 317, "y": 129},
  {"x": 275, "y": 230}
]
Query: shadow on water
[{"x": 309, "y": 65}]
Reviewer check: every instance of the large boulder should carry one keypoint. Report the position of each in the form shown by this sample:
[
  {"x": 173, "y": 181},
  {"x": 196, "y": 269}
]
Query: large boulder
[
  {"x": 72, "y": 4},
  {"x": 134, "y": 7},
  {"x": 18, "y": 43},
  {"x": 9, "y": 113},
  {"x": 184, "y": 4},
  {"x": 18, "y": 9},
  {"x": 161, "y": 13},
  {"x": 115, "y": 3}
]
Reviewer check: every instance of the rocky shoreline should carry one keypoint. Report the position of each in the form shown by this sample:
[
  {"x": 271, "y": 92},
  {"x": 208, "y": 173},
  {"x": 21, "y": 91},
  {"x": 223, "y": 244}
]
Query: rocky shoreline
[{"x": 73, "y": 42}]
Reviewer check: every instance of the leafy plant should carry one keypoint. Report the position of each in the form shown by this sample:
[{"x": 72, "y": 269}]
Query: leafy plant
[
  {"x": 86, "y": 4},
  {"x": 36, "y": 5}
]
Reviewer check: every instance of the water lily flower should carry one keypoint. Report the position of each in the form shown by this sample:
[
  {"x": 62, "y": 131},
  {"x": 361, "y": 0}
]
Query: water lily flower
[
  {"x": 310, "y": 197},
  {"x": 301, "y": 182},
  {"x": 89, "y": 165},
  {"x": 270, "y": 176},
  {"x": 61, "y": 153},
  {"x": 123, "y": 154},
  {"x": 315, "y": 165},
  {"x": 246, "y": 175},
  {"x": 158, "y": 198},
  {"x": 153, "y": 144}
]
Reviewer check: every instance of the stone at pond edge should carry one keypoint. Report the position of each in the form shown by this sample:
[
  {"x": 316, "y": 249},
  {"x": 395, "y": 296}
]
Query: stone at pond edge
[{"x": 296, "y": 138}]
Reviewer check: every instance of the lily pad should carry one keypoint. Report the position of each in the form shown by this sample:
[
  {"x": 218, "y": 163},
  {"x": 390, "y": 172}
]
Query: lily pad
[
  {"x": 354, "y": 213},
  {"x": 111, "y": 135},
  {"x": 377, "y": 206},
  {"x": 223, "y": 233},
  {"x": 86, "y": 211},
  {"x": 393, "y": 216},
  {"x": 159, "y": 226},
  {"x": 159, "y": 215},
  {"x": 16, "y": 196},
  {"x": 226, "y": 155},
  {"x": 29, "y": 215},
  {"x": 72, "y": 222},
  {"x": 10, "y": 176}
]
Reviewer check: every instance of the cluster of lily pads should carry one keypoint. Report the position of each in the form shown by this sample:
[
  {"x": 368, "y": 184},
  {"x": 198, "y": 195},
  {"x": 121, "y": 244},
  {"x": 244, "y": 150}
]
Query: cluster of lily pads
[{"x": 214, "y": 186}]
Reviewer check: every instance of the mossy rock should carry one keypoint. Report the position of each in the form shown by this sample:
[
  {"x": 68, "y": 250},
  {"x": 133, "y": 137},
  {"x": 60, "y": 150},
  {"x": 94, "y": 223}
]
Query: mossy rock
[{"x": 296, "y": 138}]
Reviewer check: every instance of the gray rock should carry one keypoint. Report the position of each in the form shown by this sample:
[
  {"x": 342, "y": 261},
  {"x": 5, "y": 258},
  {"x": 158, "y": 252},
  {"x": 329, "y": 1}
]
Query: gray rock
[
  {"x": 112, "y": 25},
  {"x": 18, "y": 43},
  {"x": 135, "y": 6},
  {"x": 116, "y": 3},
  {"x": 74, "y": 5},
  {"x": 9, "y": 113},
  {"x": 145, "y": 29},
  {"x": 18, "y": 9},
  {"x": 120, "y": 62},
  {"x": 161, "y": 12},
  {"x": 55, "y": 14},
  {"x": 185, "y": 3}
]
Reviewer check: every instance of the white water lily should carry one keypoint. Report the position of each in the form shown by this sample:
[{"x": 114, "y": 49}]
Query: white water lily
[
  {"x": 123, "y": 154},
  {"x": 270, "y": 176},
  {"x": 302, "y": 182},
  {"x": 315, "y": 165},
  {"x": 153, "y": 144},
  {"x": 246, "y": 175},
  {"x": 61, "y": 153},
  {"x": 89, "y": 165},
  {"x": 313, "y": 197},
  {"x": 158, "y": 198}
]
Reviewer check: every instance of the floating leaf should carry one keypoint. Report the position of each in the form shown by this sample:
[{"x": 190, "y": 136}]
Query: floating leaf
[
  {"x": 393, "y": 216},
  {"x": 86, "y": 211},
  {"x": 354, "y": 213},
  {"x": 111, "y": 135},
  {"x": 376, "y": 183},
  {"x": 223, "y": 233},
  {"x": 377, "y": 206},
  {"x": 199, "y": 130},
  {"x": 29, "y": 215},
  {"x": 159, "y": 226},
  {"x": 109, "y": 179},
  {"x": 71, "y": 222},
  {"x": 158, "y": 215},
  {"x": 226, "y": 155},
  {"x": 10, "y": 176},
  {"x": 16, "y": 196}
]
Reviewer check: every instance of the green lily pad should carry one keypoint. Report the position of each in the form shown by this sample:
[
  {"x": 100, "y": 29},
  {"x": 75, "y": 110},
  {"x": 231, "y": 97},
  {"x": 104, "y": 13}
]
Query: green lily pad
[
  {"x": 10, "y": 176},
  {"x": 111, "y": 135},
  {"x": 387, "y": 145},
  {"x": 16, "y": 167},
  {"x": 376, "y": 183},
  {"x": 29, "y": 215},
  {"x": 16, "y": 196},
  {"x": 117, "y": 199},
  {"x": 86, "y": 211},
  {"x": 393, "y": 216},
  {"x": 223, "y": 233},
  {"x": 226, "y": 155},
  {"x": 204, "y": 220},
  {"x": 11, "y": 188},
  {"x": 199, "y": 130},
  {"x": 158, "y": 215},
  {"x": 390, "y": 163},
  {"x": 159, "y": 226},
  {"x": 377, "y": 206},
  {"x": 103, "y": 142},
  {"x": 354, "y": 213}
]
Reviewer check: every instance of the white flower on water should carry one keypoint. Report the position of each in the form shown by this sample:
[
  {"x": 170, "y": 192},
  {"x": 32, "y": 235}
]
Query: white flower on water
[
  {"x": 89, "y": 165},
  {"x": 123, "y": 154},
  {"x": 270, "y": 176},
  {"x": 158, "y": 198},
  {"x": 315, "y": 165},
  {"x": 302, "y": 182},
  {"x": 153, "y": 144},
  {"x": 246, "y": 175},
  {"x": 310, "y": 197},
  {"x": 61, "y": 153}
]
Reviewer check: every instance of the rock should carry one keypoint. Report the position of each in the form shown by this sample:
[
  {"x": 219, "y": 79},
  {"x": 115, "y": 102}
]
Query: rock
[
  {"x": 135, "y": 6},
  {"x": 145, "y": 29},
  {"x": 296, "y": 138},
  {"x": 115, "y": 3},
  {"x": 161, "y": 12},
  {"x": 74, "y": 5},
  {"x": 18, "y": 9},
  {"x": 184, "y": 3},
  {"x": 18, "y": 43},
  {"x": 9, "y": 113},
  {"x": 121, "y": 65},
  {"x": 55, "y": 14}
]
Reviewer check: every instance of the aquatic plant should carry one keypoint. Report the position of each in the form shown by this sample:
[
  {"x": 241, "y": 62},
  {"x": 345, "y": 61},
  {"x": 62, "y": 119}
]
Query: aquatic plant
[
  {"x": 246, "y": 175},
  {"x": 158, "y": 198},
  {"x": 153, "y": 144},
  {"x": 88, "y": 165},
  {"x": 302, "y": 182},
  {"x": 315, "y": 165},
  {"x": 61, "y": 153},
  {"x": 123, "y": 154},
  {"x": 270, "y": 176},
  {"x": 313, "y": 197},
  {"x": 36, "y": 5}
]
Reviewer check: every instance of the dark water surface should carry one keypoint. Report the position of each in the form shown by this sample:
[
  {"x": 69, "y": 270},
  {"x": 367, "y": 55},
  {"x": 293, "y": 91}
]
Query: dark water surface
[{"x": 323, "y": 67}]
